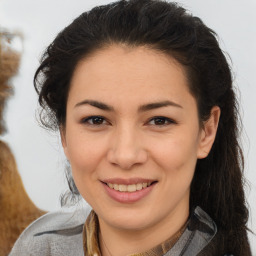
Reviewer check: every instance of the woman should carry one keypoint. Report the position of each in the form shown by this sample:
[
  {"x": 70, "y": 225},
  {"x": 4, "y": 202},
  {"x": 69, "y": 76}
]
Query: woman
[{"x": 142, "y": 96}]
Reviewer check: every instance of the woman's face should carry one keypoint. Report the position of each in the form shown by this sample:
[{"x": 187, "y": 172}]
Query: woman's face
[{"x": 132, "y": 137}]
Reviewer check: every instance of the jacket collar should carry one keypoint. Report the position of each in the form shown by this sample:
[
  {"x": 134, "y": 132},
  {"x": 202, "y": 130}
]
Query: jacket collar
[{"x": 200, "y": 231}]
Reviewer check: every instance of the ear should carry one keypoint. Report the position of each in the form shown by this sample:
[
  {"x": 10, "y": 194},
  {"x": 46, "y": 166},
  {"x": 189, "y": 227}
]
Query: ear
[
  {"x": 208, "y": 133},
  {"x": 63, "y": 141}
]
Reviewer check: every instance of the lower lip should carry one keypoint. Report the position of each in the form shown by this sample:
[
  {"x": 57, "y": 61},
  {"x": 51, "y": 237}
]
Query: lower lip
[{"x": 128, "y": 197}]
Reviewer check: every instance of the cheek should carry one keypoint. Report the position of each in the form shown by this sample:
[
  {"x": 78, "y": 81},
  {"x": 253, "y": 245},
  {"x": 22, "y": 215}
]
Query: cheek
[
  {"x": 84, "y": 160},
  {"x": 84, "y": 154},
  {"x": 177, "y": 152},
  {"x": 177, "y": 158}
]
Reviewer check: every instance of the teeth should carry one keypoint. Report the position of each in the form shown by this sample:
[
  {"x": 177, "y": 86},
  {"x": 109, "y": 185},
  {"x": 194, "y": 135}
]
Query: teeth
[
  {"x": 110, "y": 185},
  {"x": 129, "y": 188},
  {"x": 122, "y": 188},
  {"x": 139, "y": 186},
  {"x": 144, "y": 185}
]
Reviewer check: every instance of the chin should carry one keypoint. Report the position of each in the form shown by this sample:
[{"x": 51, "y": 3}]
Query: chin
[
  {"x": 128, "y": 218},
  {"x": 130, "y": 223}
]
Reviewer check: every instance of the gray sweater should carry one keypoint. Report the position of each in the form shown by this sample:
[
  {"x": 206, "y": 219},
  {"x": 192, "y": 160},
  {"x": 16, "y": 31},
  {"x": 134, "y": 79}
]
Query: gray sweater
[
  {"x": 61, "y": 234},
  {"x": 54, "y": 234}
]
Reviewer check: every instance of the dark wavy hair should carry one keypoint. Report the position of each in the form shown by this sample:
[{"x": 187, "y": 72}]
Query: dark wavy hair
[{"x": 218, "y": 182}]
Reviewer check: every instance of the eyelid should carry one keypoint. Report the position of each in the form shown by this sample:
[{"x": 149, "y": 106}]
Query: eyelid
[
  {"x": 86, "y": 120},
  {"x": 169, "y": 121}
]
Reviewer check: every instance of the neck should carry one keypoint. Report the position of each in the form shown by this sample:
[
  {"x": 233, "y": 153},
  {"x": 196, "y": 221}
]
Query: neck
[{"x": 114, "y": 241}]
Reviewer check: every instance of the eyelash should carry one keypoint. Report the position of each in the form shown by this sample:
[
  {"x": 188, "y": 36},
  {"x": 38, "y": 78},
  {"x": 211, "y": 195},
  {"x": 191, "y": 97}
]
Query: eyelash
[
  {"x": 89, "y": 121},
  {"x": 93, "y": 118},
  {"x": 167, "y": 121}
]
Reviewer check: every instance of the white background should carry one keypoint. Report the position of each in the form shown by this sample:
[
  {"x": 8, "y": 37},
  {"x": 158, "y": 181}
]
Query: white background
[{"x": 38, "y": 153}]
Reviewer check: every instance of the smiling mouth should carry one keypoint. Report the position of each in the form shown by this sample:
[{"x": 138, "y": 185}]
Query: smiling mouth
[{"x": 130, "y": 187}]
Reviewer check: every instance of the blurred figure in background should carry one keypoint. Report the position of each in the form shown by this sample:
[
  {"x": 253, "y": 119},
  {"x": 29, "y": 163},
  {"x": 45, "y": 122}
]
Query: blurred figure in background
[{"x": 17, "y": 211}]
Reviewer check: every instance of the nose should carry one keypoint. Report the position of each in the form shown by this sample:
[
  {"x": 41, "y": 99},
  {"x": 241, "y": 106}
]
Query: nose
[{"x": 126, "y": 149}]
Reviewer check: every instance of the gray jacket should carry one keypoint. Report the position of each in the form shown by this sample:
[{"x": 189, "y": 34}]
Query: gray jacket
[{"x": 60, "y": 234}]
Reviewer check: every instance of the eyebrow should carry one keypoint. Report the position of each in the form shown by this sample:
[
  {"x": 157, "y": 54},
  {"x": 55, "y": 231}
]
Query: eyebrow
[
  {"x": 156, "y": 105},
  {"x": 142, "y": 108},
  {"x": 96, "y": 104}
]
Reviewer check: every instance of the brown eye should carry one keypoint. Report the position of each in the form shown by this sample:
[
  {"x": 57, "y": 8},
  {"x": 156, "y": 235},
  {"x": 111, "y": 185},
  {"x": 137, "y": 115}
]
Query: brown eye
[
  {"x": 97, "y": 120},
  {"x": 94, "y": 120},
  {"x": 161, "y": 121}
]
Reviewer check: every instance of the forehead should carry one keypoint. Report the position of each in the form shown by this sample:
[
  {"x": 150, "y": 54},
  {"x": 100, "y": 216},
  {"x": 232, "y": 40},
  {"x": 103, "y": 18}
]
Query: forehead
[
  {"x": 131, "y": 60},
  {"x": 132, "y": 71}
]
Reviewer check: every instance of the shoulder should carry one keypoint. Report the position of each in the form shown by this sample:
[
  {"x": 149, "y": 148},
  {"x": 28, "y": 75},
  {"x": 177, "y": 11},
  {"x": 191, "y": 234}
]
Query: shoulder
[
  {"x": 56, "y": 233},
  {"x": 57, "y": 221}
]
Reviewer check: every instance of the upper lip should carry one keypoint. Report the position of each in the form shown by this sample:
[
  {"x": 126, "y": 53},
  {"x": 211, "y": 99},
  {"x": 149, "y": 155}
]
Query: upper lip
[{"x": 129, "y": 181}]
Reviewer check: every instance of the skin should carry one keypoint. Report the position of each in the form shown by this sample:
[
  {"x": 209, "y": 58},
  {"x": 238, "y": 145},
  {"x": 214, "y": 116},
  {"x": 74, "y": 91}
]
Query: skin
[{"x": 128, "y": 141}]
